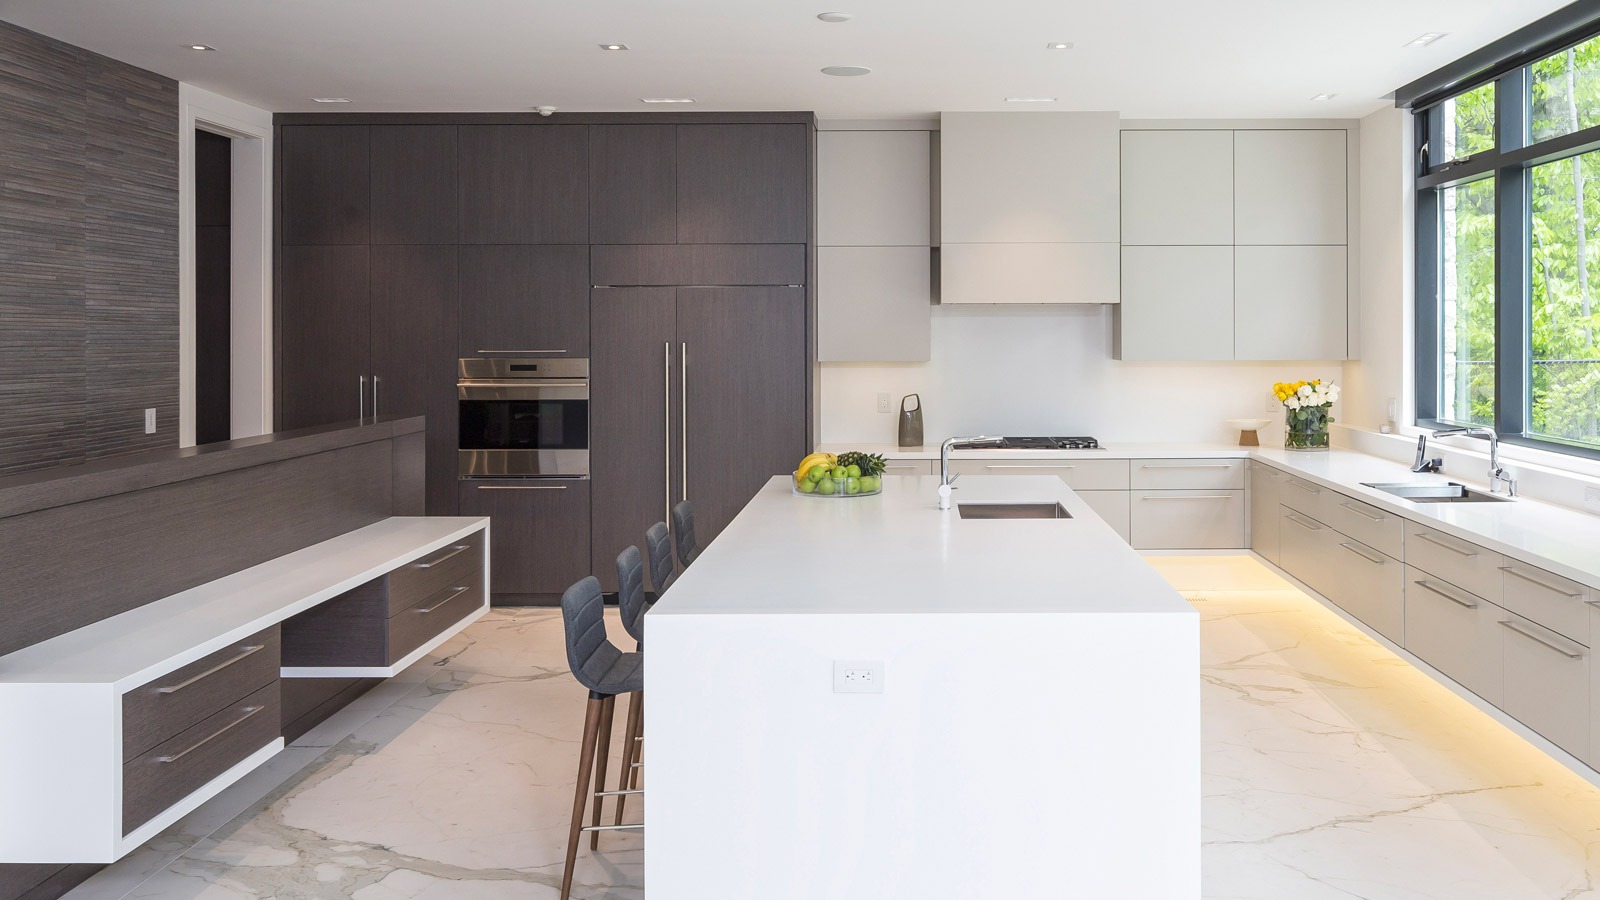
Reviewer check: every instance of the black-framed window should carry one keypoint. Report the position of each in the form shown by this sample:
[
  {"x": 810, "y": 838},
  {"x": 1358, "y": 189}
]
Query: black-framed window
[{"x": 1508, "y": 245}]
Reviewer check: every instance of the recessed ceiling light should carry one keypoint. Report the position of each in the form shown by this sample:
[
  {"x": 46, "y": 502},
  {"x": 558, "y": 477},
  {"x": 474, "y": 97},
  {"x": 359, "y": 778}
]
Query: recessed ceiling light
[
  {"x": 613, "y": 46},
  {"x": 835, "y": 16},
  {"x": 1426, "y": 38},
  {"x": 1324, "y": 96},
  {"x": 1058, "y": 45},
  {"x": 1030, "y": 99},
  {"x": 331, "y": 100},
  {"x": 201, "y": 47},
  {"x": 846, "y": 71},
  {"x": 667, "y": 99}
]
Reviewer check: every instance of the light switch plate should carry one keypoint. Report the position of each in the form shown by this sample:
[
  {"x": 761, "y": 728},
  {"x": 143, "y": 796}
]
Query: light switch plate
[{"x": 858, "y": 676}]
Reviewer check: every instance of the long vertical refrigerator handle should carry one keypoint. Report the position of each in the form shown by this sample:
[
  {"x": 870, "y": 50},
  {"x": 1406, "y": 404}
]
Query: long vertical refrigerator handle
[
  {"x": 666, "y": 427},
  {"x": 361, "y": 399},
  {"x": 683, "y": 399},
  {"x": 375, "y": 382}
]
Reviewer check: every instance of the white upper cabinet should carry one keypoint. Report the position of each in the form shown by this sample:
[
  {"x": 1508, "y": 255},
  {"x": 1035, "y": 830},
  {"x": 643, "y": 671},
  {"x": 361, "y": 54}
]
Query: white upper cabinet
[
  {"x": 1177, "y": 303},
  {"x": 1177, "y": 188},
  {"x": 873, "y": 189},
  {"x": 1028, "y": 208},
  {"x": 1041, "y": 177},
  {"x": 1290, "y": 303},
  {"x": 873, "y": 304},
  {"x": 1290, "y": 187}
]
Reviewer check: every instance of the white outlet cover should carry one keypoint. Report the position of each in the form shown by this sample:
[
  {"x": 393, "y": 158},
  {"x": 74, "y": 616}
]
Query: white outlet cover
[
  {"x": 150, "y": 421},
  {"x": 1591, "y": 495},
  {"x": 858, "y": 676},
  {"x": 883, "y": 402}
]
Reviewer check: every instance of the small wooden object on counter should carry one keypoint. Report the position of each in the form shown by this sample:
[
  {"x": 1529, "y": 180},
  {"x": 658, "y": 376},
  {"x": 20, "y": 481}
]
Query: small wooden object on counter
[{"x": 1247, "y": 430}]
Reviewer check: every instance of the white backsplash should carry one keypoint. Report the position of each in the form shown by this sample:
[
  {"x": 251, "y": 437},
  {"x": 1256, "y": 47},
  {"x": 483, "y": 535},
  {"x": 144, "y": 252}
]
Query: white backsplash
[{"x": 1048, "y": 370}]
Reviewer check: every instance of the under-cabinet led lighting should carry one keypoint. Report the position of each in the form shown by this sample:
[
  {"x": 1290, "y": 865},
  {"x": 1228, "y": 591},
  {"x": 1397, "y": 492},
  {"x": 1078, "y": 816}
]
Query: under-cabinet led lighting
[
  {"x": 1425, "y": 39},
  {"x": 666, "y": 99}
]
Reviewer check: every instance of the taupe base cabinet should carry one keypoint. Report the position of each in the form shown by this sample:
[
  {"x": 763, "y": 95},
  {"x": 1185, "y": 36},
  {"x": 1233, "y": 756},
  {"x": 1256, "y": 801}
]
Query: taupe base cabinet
[
  {"x": 1511, "y": 632},
  {"x": 117, "y": 729}
]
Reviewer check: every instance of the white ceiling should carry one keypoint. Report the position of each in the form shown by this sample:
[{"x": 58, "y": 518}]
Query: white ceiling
[{"x": 1144, "y": 58}]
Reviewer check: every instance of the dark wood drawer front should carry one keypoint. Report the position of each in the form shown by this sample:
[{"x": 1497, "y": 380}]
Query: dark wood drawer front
[
  {"x": 678, "y": 264},
  {"x": 414, "y": 627},
  {"x": 449, "y": 565},
  {"x": 172, "y": 703},
  {"x": 178, "y": 767}
]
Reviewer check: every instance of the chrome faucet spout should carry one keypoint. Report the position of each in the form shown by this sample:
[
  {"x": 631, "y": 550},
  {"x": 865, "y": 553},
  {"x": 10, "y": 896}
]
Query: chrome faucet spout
[
  {"x": 1497, "y": 474},
  {"x": 944, "y": 454}
]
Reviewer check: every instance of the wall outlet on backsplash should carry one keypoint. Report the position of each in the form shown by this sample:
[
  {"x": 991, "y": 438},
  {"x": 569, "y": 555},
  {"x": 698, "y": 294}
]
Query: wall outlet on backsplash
[{"x": 1591, "y": 497}]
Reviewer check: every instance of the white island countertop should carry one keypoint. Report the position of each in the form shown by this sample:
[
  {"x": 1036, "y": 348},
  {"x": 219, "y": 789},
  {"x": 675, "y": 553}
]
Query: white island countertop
[
  {"x": 897, "y": 552},
  {"x": 861, "y": 681}
]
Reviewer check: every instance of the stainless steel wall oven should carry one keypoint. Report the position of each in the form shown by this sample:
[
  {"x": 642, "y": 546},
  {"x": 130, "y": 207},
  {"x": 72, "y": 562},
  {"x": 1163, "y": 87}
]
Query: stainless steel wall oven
[{"x": 523, "y": 418}]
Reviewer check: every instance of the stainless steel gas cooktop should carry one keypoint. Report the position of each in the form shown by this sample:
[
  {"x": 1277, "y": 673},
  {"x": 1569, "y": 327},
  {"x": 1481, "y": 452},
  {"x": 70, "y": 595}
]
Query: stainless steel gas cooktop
[{"x": 1042, "y": 443}]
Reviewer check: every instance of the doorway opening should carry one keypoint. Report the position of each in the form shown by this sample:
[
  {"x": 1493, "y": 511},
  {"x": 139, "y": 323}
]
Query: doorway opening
[{"x": 213, "y": 213}]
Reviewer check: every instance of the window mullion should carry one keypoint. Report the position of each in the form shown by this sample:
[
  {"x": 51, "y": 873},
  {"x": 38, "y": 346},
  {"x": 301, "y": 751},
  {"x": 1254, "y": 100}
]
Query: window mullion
[{"x": 1512, "y": 259}]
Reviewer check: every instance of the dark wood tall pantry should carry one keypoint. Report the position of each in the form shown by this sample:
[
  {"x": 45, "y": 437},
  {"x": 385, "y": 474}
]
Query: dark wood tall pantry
[{"x": 674, "y": 250}]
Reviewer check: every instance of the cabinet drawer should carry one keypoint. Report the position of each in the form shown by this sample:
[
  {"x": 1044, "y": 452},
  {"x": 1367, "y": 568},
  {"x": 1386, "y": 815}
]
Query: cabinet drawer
[
  {"x": 1079, "y": 474},
  {"x": 1453, "y": 559},
  {"x": 414, "y": 627},
  {"x": 1371, "y": 586},
  {"x": 911, "y": 467},
  {"x": 1305, "y": 549},
  {"x": 1306, "y": 497},
  {"x": 1456, "y": 632},
  {"x": 1187, "y": 520},
  {"x": 422, "y": 578},
  {"x": 1266, "y": 489},
  {"x": 1548, "y": 599},
  {"x": 155, "y": 712},
  {"x": 1547, "y": 683},
  {"x": 1366, "y": 523},
  {"x": 1112, "y": 507},
  {"x": 1188, "y": 474},
  {"x": 183, "y": 764}
]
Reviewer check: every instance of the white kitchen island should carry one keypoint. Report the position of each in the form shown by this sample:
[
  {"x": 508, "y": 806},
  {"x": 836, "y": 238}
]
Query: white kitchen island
[{"x": 1037, "y": 733}]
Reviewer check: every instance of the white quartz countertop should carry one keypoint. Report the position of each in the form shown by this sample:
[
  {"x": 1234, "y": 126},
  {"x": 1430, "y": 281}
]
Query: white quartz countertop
[
  {"x": 131, "y": 648},
  {"x": 897, "y": 552},
  {"x": 1564, "y": 541},
  {"x": 1107, "y": 451}
]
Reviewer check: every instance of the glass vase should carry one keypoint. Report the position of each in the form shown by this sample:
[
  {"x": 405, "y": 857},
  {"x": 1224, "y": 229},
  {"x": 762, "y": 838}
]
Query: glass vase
[{"x": 1306, "y": 428}]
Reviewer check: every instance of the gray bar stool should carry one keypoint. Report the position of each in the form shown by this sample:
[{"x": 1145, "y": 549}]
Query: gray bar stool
[
  {"x": 633, "y": 604},
  {"x": 658, "y": 548},
  {"x": 683, "y": 524},
  {"x": 606, "y": 672}
]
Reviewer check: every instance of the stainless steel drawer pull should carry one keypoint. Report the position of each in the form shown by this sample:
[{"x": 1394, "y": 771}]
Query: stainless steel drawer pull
[
  {"x": 1539, "y": 640},
  {"x": 1357, "y": 550},
  {"x": 1303, "y": 524},
  {"x": 522, "y": 351},
  {"x": 459, "y": 591},
  {"x": 1187, "y": 497},
  {"x": 1304, "y": 487},
  {"x": 1439, "y": 543},
  {"x": 243, "y": 654},
  {"x": 1363, "y": 513},
  {"x": 901, "y": 466},
  {"x": 1026, "y": 466},
  {"x": 248, "y": 712},
  {"x": 1188, "y": 466},
  {"x": 1518, "y": 573},
  {"x": 522, "y": 487},
  {"x": 1430, "y": 586},
  {"x": 457, "y": 550}
]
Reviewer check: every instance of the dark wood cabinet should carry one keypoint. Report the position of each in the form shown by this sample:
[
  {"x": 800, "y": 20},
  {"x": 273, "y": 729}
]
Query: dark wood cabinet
[
  {"x": 413, "y": 184},
  {"x": 414, "y": 353},
  {"x": 744, "y": 184},
  {"x": 722, "y": 264},
  {"x": 633, "y": 184},
  {"x": 744, "y": 372},
  {"x": 633, "y": 430},
  {"x": 525, "y": 300},
  {"x": 538, "y": 535},
  {"x": 324, "y": 335},
  {"x": 324, "y": 172},
  {"x": 524, "y": 184}
]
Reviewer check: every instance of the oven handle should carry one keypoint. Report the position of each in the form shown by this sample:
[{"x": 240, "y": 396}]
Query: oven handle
[{"x": 520, "y": 382}]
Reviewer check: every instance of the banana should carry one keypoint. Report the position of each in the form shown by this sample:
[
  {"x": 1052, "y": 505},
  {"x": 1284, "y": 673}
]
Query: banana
[{"x": 826, "y": 459}]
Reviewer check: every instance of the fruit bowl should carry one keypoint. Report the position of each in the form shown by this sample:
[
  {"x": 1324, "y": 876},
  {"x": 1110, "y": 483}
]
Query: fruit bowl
[{"x": 848, "y": 475}]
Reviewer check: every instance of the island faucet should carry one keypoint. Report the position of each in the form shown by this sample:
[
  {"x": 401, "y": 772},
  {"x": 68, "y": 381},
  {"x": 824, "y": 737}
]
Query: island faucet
[
  {"x": 946, "y": 482},
  {"x": 1497, "y": 473}
]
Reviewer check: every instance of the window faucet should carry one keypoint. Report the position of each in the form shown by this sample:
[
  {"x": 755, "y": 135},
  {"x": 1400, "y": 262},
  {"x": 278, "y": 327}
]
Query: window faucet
[
  {"x": 1423, "y": 463},
  {"x": 1497, "y": 473}
]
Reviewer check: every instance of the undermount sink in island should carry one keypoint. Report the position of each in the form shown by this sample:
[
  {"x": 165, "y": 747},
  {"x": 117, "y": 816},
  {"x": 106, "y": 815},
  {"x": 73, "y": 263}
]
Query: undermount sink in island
[{"x": 881, "y": 699}]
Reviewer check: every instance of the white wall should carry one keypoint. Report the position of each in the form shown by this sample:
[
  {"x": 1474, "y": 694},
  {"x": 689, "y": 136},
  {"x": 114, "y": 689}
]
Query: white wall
[
  {"x": 1386, "y": 279},
  {"x": 1048, "y": 370}
]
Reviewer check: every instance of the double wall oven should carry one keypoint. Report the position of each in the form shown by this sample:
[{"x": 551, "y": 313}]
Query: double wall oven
[{"x": 523, "y": 418}]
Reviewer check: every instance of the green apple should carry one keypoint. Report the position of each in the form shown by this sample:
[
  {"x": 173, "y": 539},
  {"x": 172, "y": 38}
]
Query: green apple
[
  {"x": 806, "y": 486},
  {"x": 852, "y": 485},
  {"x": 839, "y": 473},
  {"x": 817, "y": 473},
  {"x": 870, "y": 483},
  {"x": 853, "y": 471},
  {"x": 827, "y": 486}
]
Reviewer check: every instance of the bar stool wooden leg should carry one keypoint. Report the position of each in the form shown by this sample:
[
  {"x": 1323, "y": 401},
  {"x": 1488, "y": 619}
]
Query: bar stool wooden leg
[
  {"x": 629, "y": 753},
  {"x": 635, "y": 771},
  {"x": 580, "y": 797},
  {"x": 602, "y": 756}
]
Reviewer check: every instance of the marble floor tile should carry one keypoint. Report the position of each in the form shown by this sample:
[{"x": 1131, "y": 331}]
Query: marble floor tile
[{"x": 1332, "y": 769}]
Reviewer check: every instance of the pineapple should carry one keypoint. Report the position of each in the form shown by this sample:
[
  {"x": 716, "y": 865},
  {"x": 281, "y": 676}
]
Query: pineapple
[{"x": 870, "y": 463}]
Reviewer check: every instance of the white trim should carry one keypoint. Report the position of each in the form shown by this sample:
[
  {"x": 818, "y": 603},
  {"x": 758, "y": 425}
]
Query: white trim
[{"x": 251, "y": 340}]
